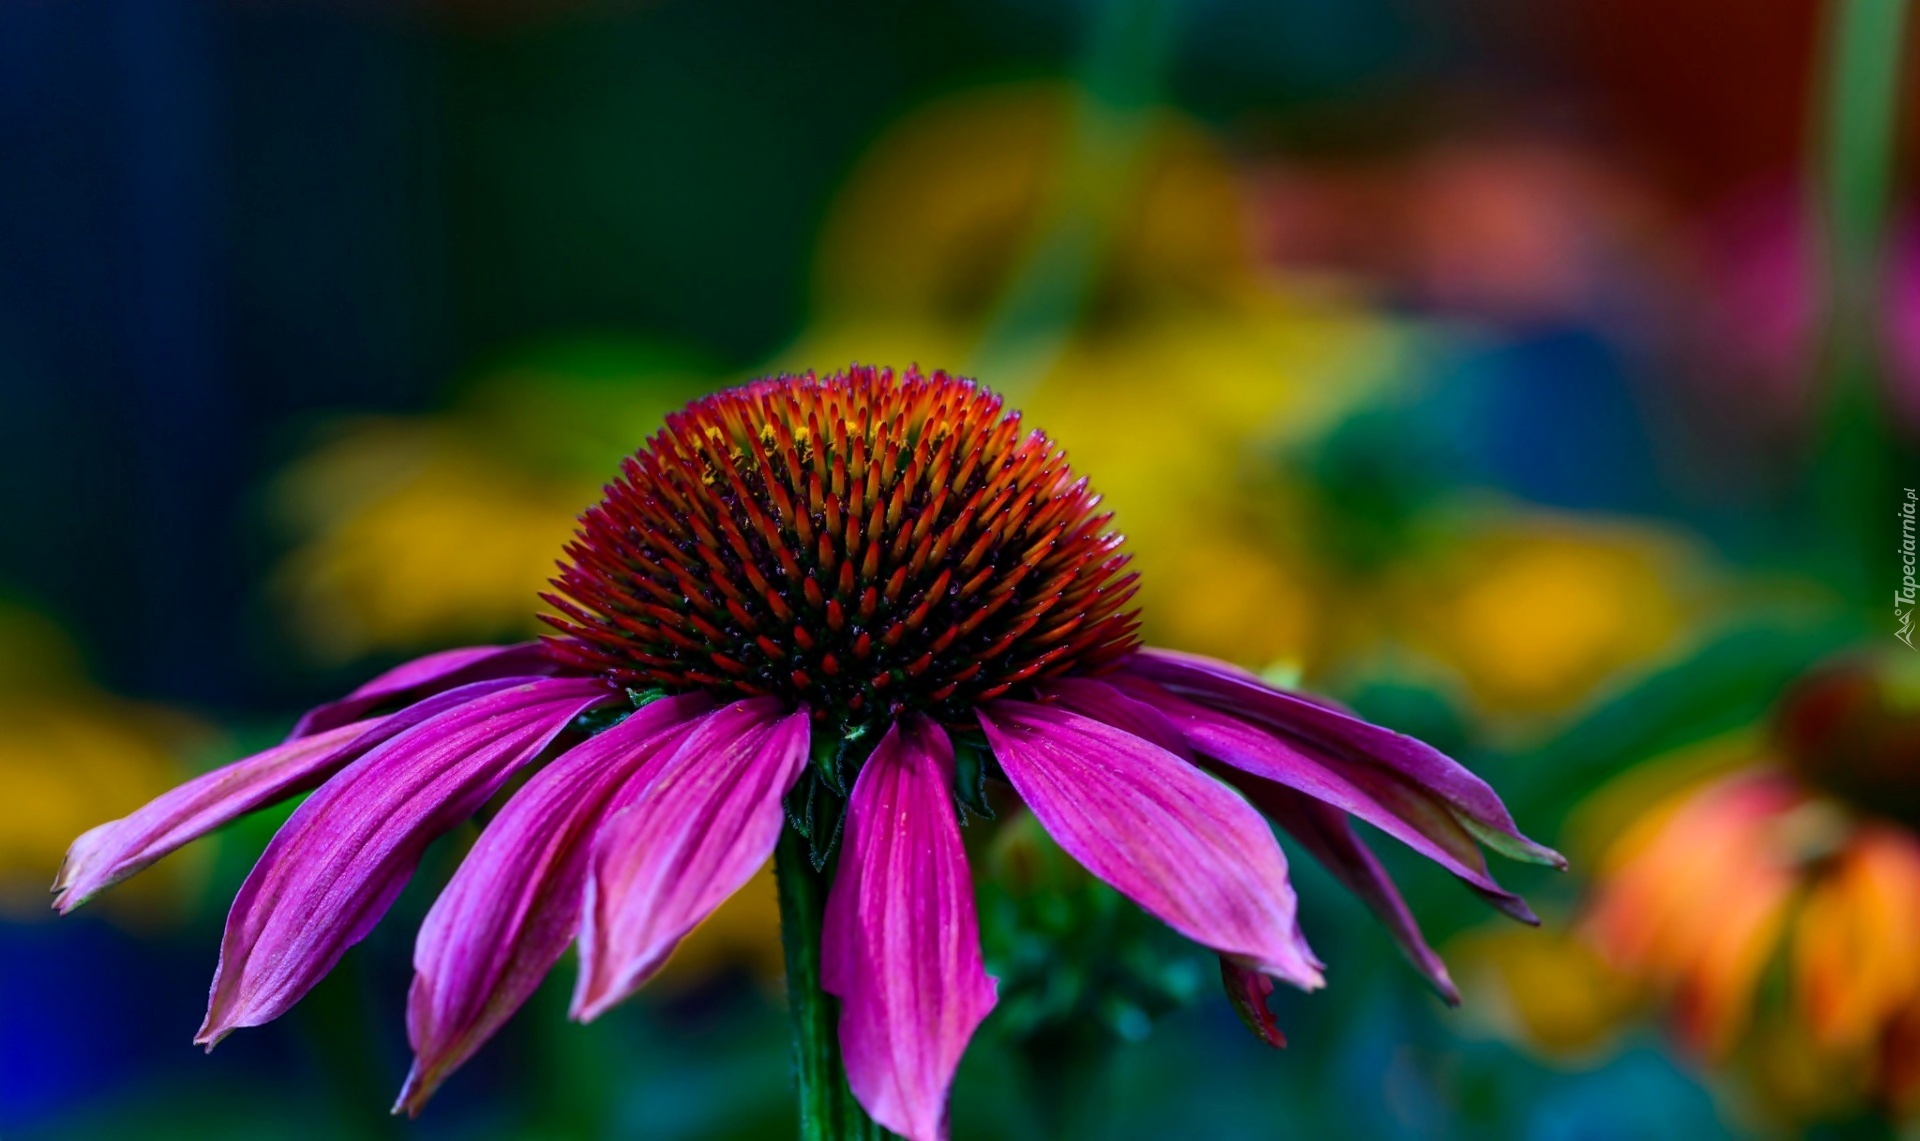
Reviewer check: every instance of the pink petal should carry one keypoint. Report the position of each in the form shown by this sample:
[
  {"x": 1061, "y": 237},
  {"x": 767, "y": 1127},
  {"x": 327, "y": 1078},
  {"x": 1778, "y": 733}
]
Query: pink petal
[
  {"x": 900, "y": 945},
  {"x": 706, "y": 821},
  {"x": 1381, "y": 797},
  {"x": 117, "y": 849},
  {"x": 1166, "y": 835},
  {"x": 1347, "y": 738},
  {"x": 1111, "y": 705},
  {"x": 1320, "y": 827},
  {"x": 336, "y": 865},
  {"x": 423, "y": 677},
  {"x": 514, "y": 905},
  {"x": 1324, "y": 831}
]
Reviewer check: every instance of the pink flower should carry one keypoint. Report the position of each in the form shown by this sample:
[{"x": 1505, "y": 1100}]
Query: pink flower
[{"x": 802, "y": 589}]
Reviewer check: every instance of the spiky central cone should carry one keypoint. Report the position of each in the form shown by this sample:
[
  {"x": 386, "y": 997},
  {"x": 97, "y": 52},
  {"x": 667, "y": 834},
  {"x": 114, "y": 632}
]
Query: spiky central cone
[{"x": 863, "y": 543}]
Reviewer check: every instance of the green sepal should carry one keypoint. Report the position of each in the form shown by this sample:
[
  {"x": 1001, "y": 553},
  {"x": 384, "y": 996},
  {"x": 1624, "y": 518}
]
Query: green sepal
[
  {"x": 799, "y": 804},
  {"x": 817, "y": 814},
  {"x": 827, "y": 755},
  {"x": 817, "y": 811},
  {"x": 600, "y": 719},
  {"x": 827, "y": 817},
  {"x": 641, "y": 698},
  {"x": 970, "y": 764}
]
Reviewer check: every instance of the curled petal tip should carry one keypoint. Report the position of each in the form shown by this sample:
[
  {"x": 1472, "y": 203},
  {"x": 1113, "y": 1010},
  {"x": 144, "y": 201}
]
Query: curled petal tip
[
  {"x": 589, "y": 998},
  {"x": 1513, "y": 845},
  {"x": 65, "y": 898},
  {"x": 587, "y": 1008},
  {"x": 414, "y": 1092},
  {"x": 1510, "y": 905},
  {"x": 1248, "y": 989}
]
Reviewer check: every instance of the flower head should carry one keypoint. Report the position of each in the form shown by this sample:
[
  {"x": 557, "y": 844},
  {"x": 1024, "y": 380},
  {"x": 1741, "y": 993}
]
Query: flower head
[
  {"x": 852, "y": 582},
  {"x": 1805, "y": 855},
  {"x": 864, "y": 545}
]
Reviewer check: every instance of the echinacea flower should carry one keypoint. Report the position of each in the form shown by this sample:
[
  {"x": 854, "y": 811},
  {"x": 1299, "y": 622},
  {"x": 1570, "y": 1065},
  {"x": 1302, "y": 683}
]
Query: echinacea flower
[
  {"x": 1807, "y": 855},
  {"x": 810, "y": 605}
]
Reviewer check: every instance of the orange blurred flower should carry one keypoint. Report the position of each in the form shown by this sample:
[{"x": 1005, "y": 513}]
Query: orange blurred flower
[{"x": 1803, "y": 861}]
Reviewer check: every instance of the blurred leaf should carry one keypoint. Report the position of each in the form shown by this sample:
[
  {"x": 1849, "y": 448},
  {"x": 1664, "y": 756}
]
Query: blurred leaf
[{"x": 1728, "y": 682}]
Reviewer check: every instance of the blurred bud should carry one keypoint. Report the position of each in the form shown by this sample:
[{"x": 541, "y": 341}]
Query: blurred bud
[{"x": 1852, "y": 727}]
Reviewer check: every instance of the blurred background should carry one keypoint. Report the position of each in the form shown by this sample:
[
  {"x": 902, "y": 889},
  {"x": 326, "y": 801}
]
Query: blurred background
[{"x": 1540, "y": 379}]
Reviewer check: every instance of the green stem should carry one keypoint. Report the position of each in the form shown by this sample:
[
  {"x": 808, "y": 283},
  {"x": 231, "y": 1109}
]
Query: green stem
[
  {"x": 1854, "y": 475},
  {"x": 828, "y": 1111}
]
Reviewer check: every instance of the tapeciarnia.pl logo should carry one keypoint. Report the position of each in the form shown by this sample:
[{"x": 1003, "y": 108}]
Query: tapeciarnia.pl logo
[{"x": 1904, "y": 598}]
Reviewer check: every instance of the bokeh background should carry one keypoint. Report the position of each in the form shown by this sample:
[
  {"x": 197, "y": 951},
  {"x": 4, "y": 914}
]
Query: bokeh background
[{"x": 1539, "y": 379}]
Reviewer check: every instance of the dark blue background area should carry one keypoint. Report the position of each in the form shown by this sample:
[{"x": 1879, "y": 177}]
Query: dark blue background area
[{"x": 221, "y": 220}]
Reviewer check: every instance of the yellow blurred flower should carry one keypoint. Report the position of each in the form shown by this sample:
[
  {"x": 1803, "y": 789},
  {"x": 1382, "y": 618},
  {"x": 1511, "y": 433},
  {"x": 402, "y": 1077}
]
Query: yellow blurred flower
[
  {"x": 418, "y": 538},
  {"x": 1534, "y": 613},
  {"x": 1180, "y": 369},
  {"x": 1547, "y": 988},
  {"x": 942, "y": 211},
  {"x": 71, "y": 757},
  {"x": 426, "y": 532}
]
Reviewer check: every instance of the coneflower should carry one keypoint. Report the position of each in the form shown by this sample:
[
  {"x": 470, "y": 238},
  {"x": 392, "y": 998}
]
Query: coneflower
[
  {"x": 1786, "y": 892},
  {"x": 809, "y": 618}
]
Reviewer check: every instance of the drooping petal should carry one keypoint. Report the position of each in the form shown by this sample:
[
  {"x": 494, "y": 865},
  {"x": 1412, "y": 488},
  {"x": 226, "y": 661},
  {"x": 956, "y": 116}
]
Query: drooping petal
[
  {"x": 1320, "y": 827},
  {"x": 1471, "y": 800},
  {"x": 510, "y": 911},
  {"x": 109, "y": 853},
  {"x": 1325, "y": 831},
  {"x": 1382, "y": 798},
  {"x": 706, "y": 821},
  {"x": 423, "y": 677},
  {"x": 901, "y": 945},
  {"x": 1171, "y": 838},
  {"x": 336, "y": 865}
]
